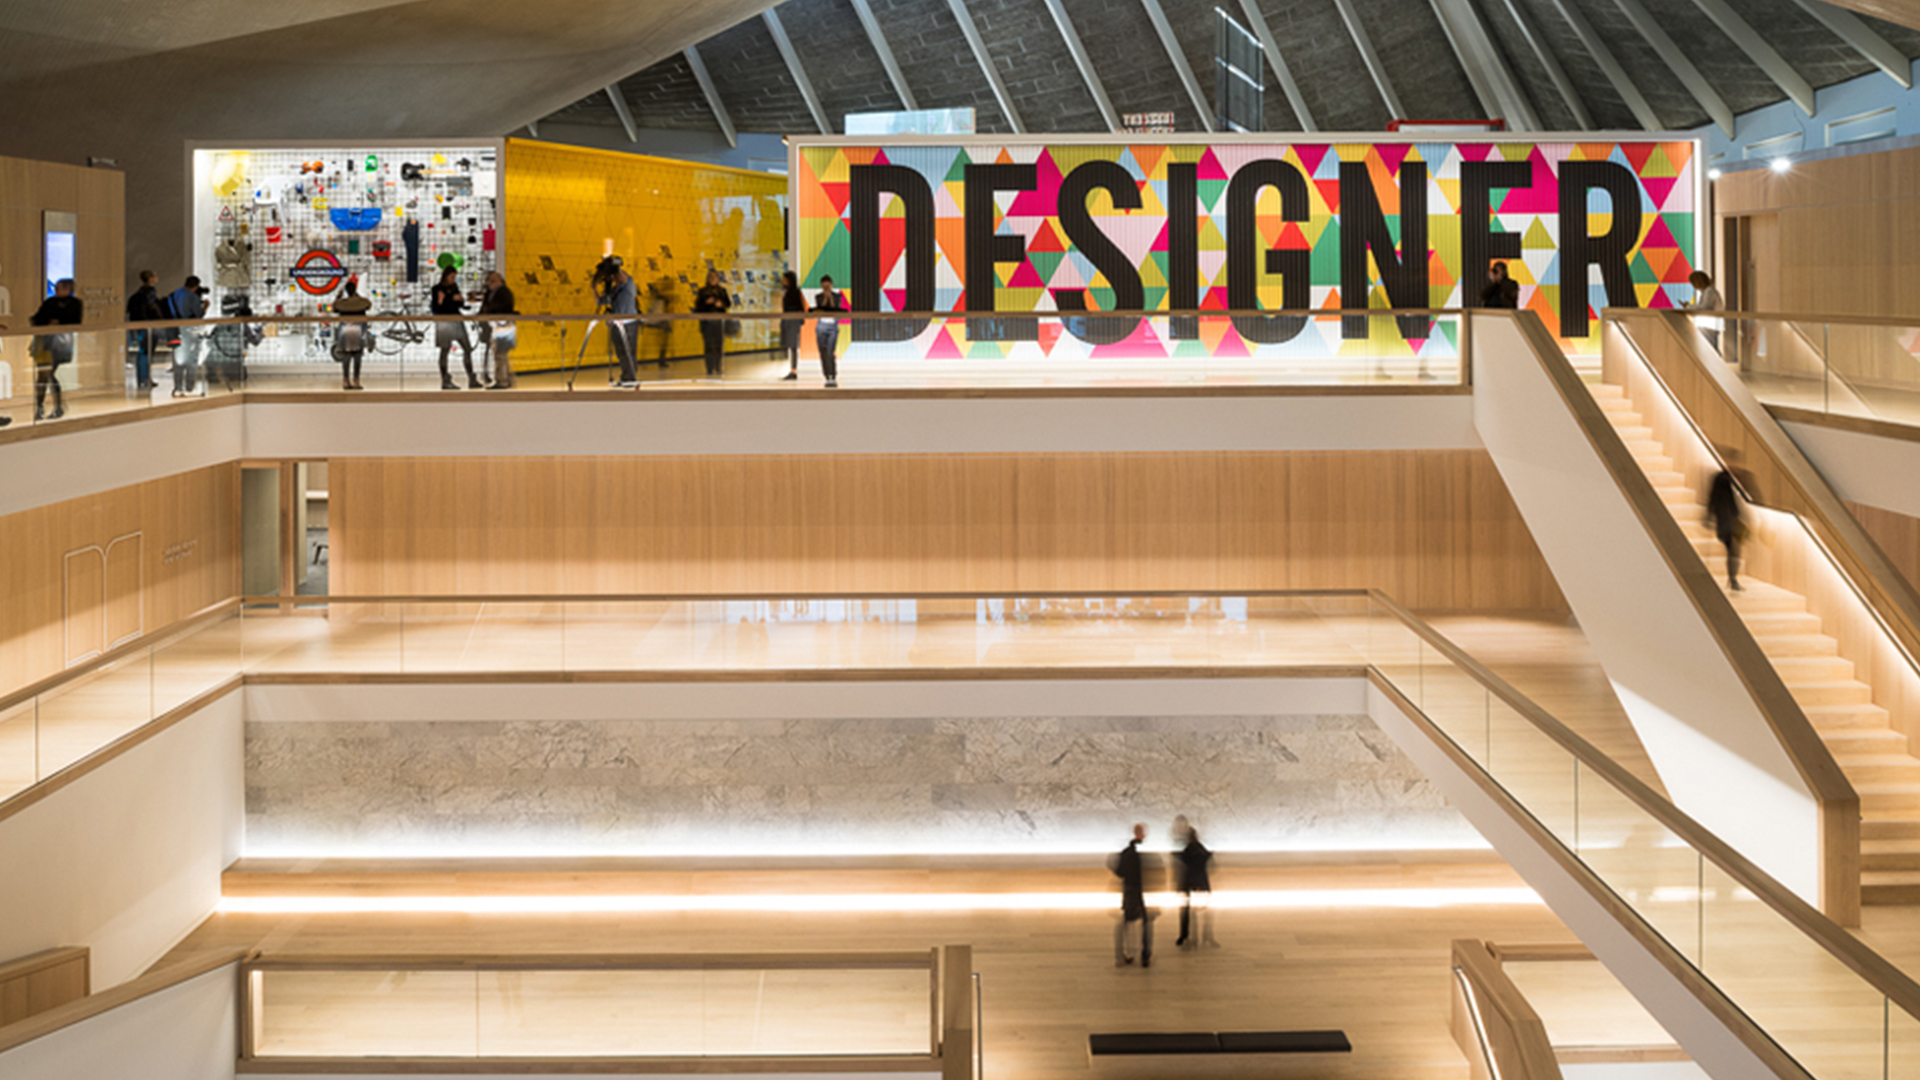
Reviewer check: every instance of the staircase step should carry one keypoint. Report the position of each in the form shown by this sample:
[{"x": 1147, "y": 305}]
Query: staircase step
[
  {"x": 1783, "y": 646},
  {"x": 1863, "y": 742},
  {"x": 1839, "y": 692},
  {"x": 1759, "y": 598},
  {"x": 1634, "y": 433},
  {"x": 1890, "y": 888},
  {"x": 1795, "y": 670},
  {"x": 1782, "y": 623},
  {"x": 1889, "y": 800},
  {"x": 1852, "y": 718},
  {"x": 1880, "y": 770},
  {"x": 1604, "y": 390},
  {"x": 1877, "y": 828},
  {"x": 1884, "y": 856}
]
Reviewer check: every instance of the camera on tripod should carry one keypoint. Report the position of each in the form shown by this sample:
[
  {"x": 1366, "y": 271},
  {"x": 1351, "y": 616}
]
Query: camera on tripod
[{"x": 605, "y": 272}]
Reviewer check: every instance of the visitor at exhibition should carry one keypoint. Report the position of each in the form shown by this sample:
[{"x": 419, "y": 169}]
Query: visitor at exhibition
[
  {"x": 449, "y": 300},
  {"x": 186, "y": 302},
  {"x": 350, "y": 338},
  {"x": 713, "y": 299},
  {"x": 51, "y": 350}
]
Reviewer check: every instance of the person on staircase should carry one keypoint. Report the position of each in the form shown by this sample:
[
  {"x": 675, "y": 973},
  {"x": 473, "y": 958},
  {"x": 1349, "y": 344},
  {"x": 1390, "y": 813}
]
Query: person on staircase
[{"x": 1725, "y": 515}]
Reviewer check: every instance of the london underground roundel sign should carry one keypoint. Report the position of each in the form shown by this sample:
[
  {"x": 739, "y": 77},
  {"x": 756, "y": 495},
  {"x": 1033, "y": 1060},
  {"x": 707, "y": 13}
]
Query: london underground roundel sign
[{"x": 318, "y": 272}]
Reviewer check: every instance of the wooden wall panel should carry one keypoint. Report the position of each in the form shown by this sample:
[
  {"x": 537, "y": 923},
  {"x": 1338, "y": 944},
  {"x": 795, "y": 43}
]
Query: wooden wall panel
[
  {"x": 1897, "y": 534},
  {"x": 28, "y": 188},
  {"x": 185, "y": 540},
  {"x": 1436, "y": 530},
  {"x": 46, "y": 980}
]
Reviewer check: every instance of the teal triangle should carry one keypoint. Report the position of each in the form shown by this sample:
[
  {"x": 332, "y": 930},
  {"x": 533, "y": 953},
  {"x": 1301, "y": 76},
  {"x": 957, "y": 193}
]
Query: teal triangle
[
  {"x": 1210, "y": 191},
  {"x": 1326, "y": 254},
  {"x": 958, "y": 170},
  {"x": 1046, "y": 262},
  {"x": 1156, "y": 295}
]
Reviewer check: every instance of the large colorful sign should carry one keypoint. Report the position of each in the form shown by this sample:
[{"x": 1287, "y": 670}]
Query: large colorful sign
[{"x": 1197, "y": 226}]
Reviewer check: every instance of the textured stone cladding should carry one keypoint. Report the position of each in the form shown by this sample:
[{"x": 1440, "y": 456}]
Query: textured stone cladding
[
  {"x": 996, "y": 784},
  {"x": 671, "y": 221}
]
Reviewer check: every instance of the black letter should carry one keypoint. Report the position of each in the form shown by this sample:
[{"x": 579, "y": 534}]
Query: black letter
[
  {"x": 1610, "y": 250},
  {"x": 1363, "y": 228},
  {"x": 1479, "y": 244},
  {"x": 1243, "y": 240},
  {"x": 1082, "y": 233},
  {"x": 984, "y": 248},
  {"x": 866, "y": 183},
  {"x": 1183, "y": 249}
]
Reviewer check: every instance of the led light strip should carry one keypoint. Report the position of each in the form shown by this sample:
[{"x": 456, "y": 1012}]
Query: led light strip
[{"x": 1265, "y": 899}]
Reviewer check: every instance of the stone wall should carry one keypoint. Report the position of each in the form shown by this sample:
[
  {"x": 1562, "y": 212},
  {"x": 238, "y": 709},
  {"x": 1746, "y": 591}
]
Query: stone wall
[{"x": 806, "y": 786}]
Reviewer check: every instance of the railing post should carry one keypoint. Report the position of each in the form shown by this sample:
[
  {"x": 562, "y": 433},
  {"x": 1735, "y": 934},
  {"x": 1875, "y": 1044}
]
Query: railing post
[{"x": 957, "y": 1019}]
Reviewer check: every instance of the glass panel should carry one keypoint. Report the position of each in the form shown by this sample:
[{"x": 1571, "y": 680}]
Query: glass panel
[
  {"x": 1648, "y": 865},
  {"x": 625, "y": 635},
  {"x": 192, "y": 663},
  {"x": 1875, "y": 371},
  {"x": 367, "y": 1014},
  {"x": 1455, "y": 701},
  {"x": 1816, "y": 1008},
  {"x": 19, "y": 738},
  {"x": 703, "y": 1013},
  {"x": 1532, "y": 767},
  {"x": 335, "y": 636},
  {"x": 1903, "y": 1043},
  {"x": 81, "y": 716},
  {"x": 482, "y": 636},
  {"x": 1395, "y": 651}
]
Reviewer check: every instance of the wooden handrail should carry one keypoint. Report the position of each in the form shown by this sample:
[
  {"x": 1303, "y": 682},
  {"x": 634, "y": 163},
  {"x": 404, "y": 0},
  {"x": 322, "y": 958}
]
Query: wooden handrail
[
  {"x": 823, "y": 961},
  {"x": 1768, "y": 316},
  {"x": 1883, "y": 976},
  {"x": 1493, "y": 1019},
  {"x": 109, "y": 326},
  {"x": 157, "y": 639},
  {"x": 778, "y": 598},
  {"x": 66, "y": 1016}
]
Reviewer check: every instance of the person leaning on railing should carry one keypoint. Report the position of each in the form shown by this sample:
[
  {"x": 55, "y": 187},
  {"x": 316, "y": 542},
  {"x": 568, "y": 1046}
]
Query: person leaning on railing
[{"x": 1705, "y": 298}]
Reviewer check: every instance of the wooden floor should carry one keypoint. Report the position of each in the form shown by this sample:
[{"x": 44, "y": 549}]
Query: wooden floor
[{"x": 1048, "y": 976}]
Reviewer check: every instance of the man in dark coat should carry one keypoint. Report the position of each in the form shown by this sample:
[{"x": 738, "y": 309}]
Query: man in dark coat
[
  {"x": 1196, "y": 923},
  {"x": 1130, "y": 867}
]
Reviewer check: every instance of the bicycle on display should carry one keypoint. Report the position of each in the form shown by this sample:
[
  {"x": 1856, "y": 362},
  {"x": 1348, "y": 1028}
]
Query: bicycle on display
[{"x": 397, "y": 337}]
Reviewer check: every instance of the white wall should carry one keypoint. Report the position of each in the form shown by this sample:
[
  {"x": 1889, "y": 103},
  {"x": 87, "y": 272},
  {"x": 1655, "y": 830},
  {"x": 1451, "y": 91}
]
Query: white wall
[
  {"x": 185, "y": 1032},
  {"x": 57, "y": 467},
  {"x": 1861, "y": 468},
  {"x": 126, "y": 860},
  {"x": 1634, "y": 1070},
  {"x": 1713, "y": 748}
]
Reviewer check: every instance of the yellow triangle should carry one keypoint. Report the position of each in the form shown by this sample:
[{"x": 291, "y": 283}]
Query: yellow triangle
[{"x": 1210, "y": 238}]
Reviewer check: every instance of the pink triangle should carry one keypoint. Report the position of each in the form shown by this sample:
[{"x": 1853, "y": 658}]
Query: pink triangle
[
  {"x": 896, "y": 299},
  {"x": 1210, "y": 167},
  {"x": 1392, "y": 154},
  {"x": 1474, "y": 151},
  {"x": 1160, "y": 241},
  {"x": 1660, "y": 301},
  {"x": 1039, "y": 202},
  {"x": 1659, "y": 187},
  {"x": 1542, "y": 197},
  {"x": 1142, "y": 342},
  {"x": 1231, "y": 345},
  {"x": 880, "y": 158},
  {"x": 943, "y": 347},
  {"x": 1026, "y": 277},
  {"x": 1311, "y": 156},
  {"x": 1659, "y": 236}
]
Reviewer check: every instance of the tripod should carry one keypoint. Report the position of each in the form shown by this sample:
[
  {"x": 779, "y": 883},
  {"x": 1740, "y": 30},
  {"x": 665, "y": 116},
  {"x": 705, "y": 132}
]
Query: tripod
[{"x": 613, "y": 327}]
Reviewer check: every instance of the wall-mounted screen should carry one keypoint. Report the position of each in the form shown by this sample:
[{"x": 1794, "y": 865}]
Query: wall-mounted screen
[{"x": 57, "y": 248}]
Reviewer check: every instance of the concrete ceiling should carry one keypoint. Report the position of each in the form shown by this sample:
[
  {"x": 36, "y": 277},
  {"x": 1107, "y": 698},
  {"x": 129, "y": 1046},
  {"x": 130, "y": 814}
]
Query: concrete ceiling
[
  {"x": 135, "y": 81},
  {"x": 1317, "y": 38}
]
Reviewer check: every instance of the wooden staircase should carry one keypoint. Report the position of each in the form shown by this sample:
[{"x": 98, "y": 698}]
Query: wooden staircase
[{"x": 1860, "y": 733}]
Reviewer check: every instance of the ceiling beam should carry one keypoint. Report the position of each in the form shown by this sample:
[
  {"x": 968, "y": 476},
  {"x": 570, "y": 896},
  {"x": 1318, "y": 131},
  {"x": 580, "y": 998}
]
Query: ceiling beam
[
  {"x": 1500, "y": 96},
  {"x": 1081, "y": 60},
  {"x": 1374, "y": 68},
  {"x": 719, "y": 107},
  {"x": 1582, "y": 118},
  {"x": 1616, "y": 75},
  {"x": 879, "y": 41},
  {"x": 985, "y": 59},
  {"x": 533, "y": 128},
  {"x": 1863, "y": 39},
  {"x": 799, "y": 73},
  {"x": 1799, "y": 90},
  {"x": 1279, "y": 64},
  {"x": 1703, "y": 92},
  {"x": 625, "y": 114},
  {"x": 1164, "y": 29}
]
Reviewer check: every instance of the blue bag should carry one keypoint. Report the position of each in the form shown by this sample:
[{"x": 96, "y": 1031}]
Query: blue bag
[{"x": 355, "y": 220}]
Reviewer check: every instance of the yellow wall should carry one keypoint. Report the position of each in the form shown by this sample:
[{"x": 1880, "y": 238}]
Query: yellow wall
[{"x": 565, "y": 205}]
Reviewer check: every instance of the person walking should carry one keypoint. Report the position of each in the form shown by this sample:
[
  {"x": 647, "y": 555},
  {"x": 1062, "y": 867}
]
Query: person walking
[
  {"x": 143, "y": 306},
  {"x": 350, "y": 338},
  {"x": 659, "y": 305},
  {"x": 186, "y": 302},
  {"x": 826, "y": 329},
  {"x": 502, "y": 334},
  {"x": 51, "y": 350},
  {"x": 1724, "y": 513},
  {"x": 1196, "y": 923},
  {"x": 448, "y": 299},
  {"x": 791, "y": 300},
  {"x": 713, "y": 299},
  {"x": 1500, "y": 291},
  {"x": 1705, "y": 298},
  {"x": 1130, "y": 867}
]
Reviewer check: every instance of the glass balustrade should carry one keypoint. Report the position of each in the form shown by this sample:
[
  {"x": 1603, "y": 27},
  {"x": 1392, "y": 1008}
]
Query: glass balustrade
[{"x": 1864, "y": 369}]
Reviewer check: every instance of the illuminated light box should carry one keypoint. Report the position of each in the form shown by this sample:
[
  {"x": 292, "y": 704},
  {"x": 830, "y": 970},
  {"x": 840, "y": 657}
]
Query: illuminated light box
[{"x": 1085, "y": 224}]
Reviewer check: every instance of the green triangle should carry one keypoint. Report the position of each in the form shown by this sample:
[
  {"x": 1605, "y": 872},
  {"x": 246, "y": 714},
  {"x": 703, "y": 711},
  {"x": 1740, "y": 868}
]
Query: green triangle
[
  {"x": 1190, "y": 348},
  {"x": 1046, "y": 262},
  {"x": 1450, "y": 330},
  {"x": 1326, "y": 254},
  {"x": 1210, "y": 193},
  {"x": 958, "y": 172},
  {"x": 1102, "y": 297},
  {"x": 1681, "y": 226},
  {"x": 835, "y": 258},
  {"x": 1642, "y": 272},
  {"x": 1156, "y": 295}
]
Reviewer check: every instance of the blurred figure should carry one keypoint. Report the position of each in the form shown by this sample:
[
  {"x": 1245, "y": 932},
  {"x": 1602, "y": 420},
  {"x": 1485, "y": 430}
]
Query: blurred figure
[
  {"x": 1500, "y": 291},
  {"x": 826, "y": 329},
  {"x": 1190, "y": 863},
  {"x": 350, "y": 338},
  {"x": 502, "y": 334},
  {"x": 659, "y": 305},
  {"x": 1725, "y": 515},
  {"x": 143, "y": 306},
  {"x": 448, "y": 299},
  {"x": 1130, "y": 867},
  {"x": 51, "y": 350},
  {"x": 186, "y": 302},
  {"x": 1705, "y": 298},
  {"x": 791, "y": 300}
]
